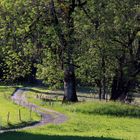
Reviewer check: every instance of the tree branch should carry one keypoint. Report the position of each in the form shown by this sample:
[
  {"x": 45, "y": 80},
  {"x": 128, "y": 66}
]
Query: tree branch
[{"x": 95, "y": 22}]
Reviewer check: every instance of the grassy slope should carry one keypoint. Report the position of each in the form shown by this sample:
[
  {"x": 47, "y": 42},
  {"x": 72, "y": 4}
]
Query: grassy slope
[
  {"x": 6, "y": 105},
  {"x": 98, "y": 119},
  {"x": 89, "y": 120}
]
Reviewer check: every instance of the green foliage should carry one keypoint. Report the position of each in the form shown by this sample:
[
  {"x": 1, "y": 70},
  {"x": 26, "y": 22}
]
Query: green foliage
[
  {"x": 50, "y": 72},
  {"x": 99, "y": 34},
  {"x": 14, "y": 66},
  {"x": 18, "y": 53}
]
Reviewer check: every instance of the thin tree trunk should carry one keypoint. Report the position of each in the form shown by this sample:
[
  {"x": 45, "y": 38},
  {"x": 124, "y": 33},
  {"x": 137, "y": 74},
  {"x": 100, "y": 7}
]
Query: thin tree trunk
[
  {"x": 104, "y": 77},
  {"x": 120, "y": 88},
  {"x": 100, "y": 92},
  {"x": 104, "y": 88},
  {"x": 99, "y": 85}
]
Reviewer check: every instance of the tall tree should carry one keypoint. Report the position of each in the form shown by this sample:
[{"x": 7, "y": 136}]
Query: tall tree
[
  {"x": 118, "y": 29},
  {"x": 67, "y": 43}
]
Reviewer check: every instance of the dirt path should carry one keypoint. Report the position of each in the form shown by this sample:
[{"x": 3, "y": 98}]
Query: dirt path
[{"x": 47, "y": 115}]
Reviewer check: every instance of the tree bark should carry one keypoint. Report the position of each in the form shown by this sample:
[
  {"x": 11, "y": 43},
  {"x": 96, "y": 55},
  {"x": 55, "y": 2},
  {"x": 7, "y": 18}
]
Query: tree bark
[
  {"x": 117, "y": 88},
  {"x": 69, "y": 85},
  {"x": 67, "y": 45},
  {"x": 103, "y": 74},
  {"x": 99, "y": 85},
  {"x": 121, "y": 87}
]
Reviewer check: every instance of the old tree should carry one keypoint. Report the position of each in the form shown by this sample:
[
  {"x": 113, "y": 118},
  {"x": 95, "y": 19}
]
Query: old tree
[{"x": 96, "y": 42}]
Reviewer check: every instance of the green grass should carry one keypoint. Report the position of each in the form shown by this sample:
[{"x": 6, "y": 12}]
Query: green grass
[
  {"x": 99, "y": 119},
  {"x": 86, "y": 121},
  {"x": 110, "y": 108},
  {"x": 7, "y": 106}
]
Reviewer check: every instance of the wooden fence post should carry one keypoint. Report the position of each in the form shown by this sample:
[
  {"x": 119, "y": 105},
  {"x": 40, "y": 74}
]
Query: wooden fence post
[
  {"x": 0, "y": 122},
  {"x": 30, "y": 113},
  {"x": 8, "y": 117},
  {"x": 19, "y": 114}
]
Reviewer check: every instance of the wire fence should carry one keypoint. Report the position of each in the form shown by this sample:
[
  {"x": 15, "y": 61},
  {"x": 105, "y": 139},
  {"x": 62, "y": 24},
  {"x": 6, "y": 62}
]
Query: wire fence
[{"x": 9, "y": 118}]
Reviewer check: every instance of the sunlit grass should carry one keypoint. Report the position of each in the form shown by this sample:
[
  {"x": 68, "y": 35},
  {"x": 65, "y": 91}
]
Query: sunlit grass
[
  {"x": 98, "y": 119},
  {"x": 86, "y": 120},
  {"x": 8, "y": 107}
]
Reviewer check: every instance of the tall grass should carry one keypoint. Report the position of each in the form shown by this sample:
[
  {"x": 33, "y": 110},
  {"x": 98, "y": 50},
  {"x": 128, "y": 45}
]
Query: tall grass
[{"x": 110, "y": 108}]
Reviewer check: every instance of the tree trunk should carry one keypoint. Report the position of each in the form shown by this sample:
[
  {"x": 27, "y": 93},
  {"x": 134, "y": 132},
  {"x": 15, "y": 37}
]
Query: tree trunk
[
  {"x": 120, "y": 88},
  {"x": 104, "y": 76},
  {"x": 70, "y": 85},
  {"x": 104, "y": 88},
  {"x": 100, "y": 92},
  {"x": 99, "y": 85},
  {"x": 67, "y": 46}
]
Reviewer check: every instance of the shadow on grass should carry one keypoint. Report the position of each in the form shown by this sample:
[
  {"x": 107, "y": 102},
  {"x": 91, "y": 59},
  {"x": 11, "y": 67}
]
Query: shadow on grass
[
  {"x": 110, "y": 108},
  {"x": 19, "y": 125},
  {"x": 29, "y": 136},
  {"x": 54, "y": 94}
]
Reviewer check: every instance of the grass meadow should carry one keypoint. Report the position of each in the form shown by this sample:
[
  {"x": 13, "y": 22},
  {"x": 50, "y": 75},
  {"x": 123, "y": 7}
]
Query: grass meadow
[
  {"x": 88, "y": 120},
  {"x": 9, "y": 111}
]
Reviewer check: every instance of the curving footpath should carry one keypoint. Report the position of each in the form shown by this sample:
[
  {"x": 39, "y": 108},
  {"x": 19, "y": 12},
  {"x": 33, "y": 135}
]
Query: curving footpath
[{"x": 47, "y": 115}]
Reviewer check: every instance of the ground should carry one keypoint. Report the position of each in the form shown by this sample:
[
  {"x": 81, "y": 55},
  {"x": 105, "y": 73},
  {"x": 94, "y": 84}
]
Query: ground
[{"x": 86, "y": 120}]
